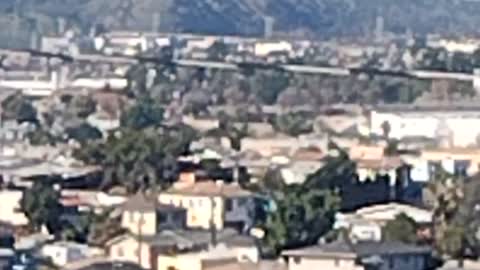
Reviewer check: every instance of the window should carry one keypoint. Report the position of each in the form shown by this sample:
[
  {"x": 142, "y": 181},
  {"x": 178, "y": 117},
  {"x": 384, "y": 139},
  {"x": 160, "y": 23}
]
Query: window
[
  {"x": 162, "y": 218},
  {"x": 200, "y": 203},
  {"x": 191, "y": 203},
  {"x": 120, "y": 252},
  {"x": 297, "y": 260},
  {"x": 241, "y": 202},
  {"x": 391, "y": 263},
  {"x": 131, "y": 216},
  {"x": 228, "y": 205}
]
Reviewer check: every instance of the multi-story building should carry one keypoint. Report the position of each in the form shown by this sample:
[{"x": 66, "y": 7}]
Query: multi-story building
[{"x": 212, "y": 203}]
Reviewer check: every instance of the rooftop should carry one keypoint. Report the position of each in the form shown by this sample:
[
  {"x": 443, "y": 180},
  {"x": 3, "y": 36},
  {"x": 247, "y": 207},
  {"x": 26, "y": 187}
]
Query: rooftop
[
  {"x": 142, "y": 203},
  {"x": 210, "y": 188},
  {"x": 355, "y": 250},
  {"x": 186, "y": 239}
]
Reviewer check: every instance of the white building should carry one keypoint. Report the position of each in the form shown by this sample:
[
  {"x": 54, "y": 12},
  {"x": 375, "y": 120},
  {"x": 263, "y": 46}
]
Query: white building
[
  {"x": 263, "y": 49},
  {"x": 10, "y": 208},
  {"x": 459, "y": 128},
  {"x": 359, "y": 256},
  {"x": 62, "y": 253},
  {"x": 366, "y": 223}
]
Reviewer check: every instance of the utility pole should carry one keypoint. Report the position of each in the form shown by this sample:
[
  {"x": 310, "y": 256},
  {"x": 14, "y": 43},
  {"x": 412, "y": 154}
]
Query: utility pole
[
  {"x": 140, "y": 224},
  {"x": 213, "y": 228}
]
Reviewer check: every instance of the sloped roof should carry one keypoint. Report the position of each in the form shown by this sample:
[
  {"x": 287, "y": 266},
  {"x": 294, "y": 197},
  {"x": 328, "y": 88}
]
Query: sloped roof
[
  {"x": 210, "y": 188},
  {"x": 140, "y": 202},
  {"x": 355, "y": 250},
  {"x": 185, "y": 239}
]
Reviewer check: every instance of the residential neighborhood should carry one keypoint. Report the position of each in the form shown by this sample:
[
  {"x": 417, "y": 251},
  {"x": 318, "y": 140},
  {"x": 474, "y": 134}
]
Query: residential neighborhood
[{"x": 170, "y": 150}]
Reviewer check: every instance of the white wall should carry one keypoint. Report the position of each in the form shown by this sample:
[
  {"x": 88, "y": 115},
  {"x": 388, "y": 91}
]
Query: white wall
[
  {"x": 10, "y": 208},
  {"x": 465, "y": 126},
  {"x": 62, "y": 255},
  {"x": 199, "y": 209}
]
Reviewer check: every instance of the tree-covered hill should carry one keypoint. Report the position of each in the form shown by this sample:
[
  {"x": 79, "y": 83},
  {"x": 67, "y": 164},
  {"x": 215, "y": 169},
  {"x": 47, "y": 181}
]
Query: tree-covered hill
[{"x": 321, "y": 18}]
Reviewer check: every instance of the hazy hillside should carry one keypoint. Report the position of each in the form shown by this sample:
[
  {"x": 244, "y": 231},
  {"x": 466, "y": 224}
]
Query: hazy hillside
[{"x": 316, "y": 17}]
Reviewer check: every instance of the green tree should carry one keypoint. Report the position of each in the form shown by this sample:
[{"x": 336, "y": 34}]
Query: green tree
[
  {"x": 83, "y": 133},
  {"x": 450, "y": 231},
  {"x": 145, "y": 113},
  {"x": 18, "y": 107},
  {"x": 268, "y": 85},
  {"x": 218, "y": 51},
  {"x": 41, "y": 205},
  {"x": 41, "y": 136},
  {"x": 293, "y": 124},
  {"x": 138, "y": 159},
  {"x": 103, "y": 227},
  {"x": 403, "y": 228},
  {"x": 300, "y": 218},
  {"x": 82, "y": 106}
]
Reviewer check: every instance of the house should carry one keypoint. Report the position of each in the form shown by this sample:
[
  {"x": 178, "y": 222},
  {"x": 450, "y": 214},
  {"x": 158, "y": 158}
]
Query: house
[
  {"x": 146, "y": 250},
  {"x": 7, "y": 257},
  {"x": 263, "y": 49},
  {"x": 281, "y": 144},
  {"x": 457, "y": 161},
  {"x": 144, "y": 216},
  {"x": 366, "y": 223},
  {"x": 217, "y": 255},
  {"x": 102, "y": 264},
  {"x": 303, "y": 162},
  {"x": 62, "y": 253},
  {"x": 90, "y": 200},
  {"x": 201, "y": 124},
  {"x": 369, "y": 169},
  {"x": 359, "y": 256},
  {"x": 10, "y": 208},
  {"x": 451, "y": 126},
  {"x": 212, "y": 203}
]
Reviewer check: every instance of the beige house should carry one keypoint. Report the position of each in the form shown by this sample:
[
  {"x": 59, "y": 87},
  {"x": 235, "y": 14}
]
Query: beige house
[
  {"x": 210, "y": 203},
  {"x": 144, "y": 216},
  {"x": 365, "y": 224},
  {"x": 166, "y": 248}
]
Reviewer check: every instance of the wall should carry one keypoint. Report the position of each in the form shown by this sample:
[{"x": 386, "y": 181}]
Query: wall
[
  {"x": 323, "y": 264},
  {"x": 464, "y": 126},
  {"x": 10, "y": 208},
  {"x": 99, "y": 83},
  {"x": 403, "y": 262},
  {"x": 199, "y": 209},
  {"x": 131, "y": 220},
  {"x": 178, "y": 262},
  {"x": 264, "y": 49},
  {"x": 128, "y": 250},
  {"x": 242, "y": 209}
]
